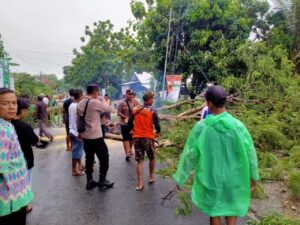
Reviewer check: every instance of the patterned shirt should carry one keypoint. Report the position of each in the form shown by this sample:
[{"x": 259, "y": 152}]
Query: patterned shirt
[{"x": 15, "y": 188}]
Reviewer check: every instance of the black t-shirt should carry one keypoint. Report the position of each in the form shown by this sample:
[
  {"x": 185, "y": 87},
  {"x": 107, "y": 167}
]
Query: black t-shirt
[
  {"x": 66, "y": 106},
  {"x": 27, "y": 138}
]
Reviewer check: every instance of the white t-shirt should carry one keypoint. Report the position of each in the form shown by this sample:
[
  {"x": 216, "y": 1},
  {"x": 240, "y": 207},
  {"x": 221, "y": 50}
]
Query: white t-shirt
[
  {"x": 73, "y": 119},
  {"x": 46, "y": 100}
]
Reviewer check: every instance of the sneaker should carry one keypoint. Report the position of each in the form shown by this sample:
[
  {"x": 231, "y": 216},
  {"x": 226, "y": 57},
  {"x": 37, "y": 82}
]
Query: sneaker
[
  {"x": 91, "y": 184},
  {"x": 105, "y": 184}
]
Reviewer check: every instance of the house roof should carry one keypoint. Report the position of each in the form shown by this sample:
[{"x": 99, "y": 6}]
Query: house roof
[{"x": 143, "y": 78}]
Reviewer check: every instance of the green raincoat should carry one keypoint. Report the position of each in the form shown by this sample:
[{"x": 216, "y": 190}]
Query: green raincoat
[{"x": 221, "y": 151}]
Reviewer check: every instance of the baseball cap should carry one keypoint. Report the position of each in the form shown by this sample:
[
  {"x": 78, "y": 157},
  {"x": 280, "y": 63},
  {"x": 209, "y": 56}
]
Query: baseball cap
[
  {"x": 92, "y": 87},
  {"x": 131, "y": 92},
  {"x": 217, "y": 95}
]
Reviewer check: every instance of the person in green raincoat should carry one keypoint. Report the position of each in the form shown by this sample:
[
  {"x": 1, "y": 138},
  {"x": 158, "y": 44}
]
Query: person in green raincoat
[{"x": 221, "y": 151}]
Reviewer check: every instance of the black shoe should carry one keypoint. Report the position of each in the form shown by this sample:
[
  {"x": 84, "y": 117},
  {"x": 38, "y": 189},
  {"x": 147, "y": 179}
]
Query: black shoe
[
  {"x": 91, "y": 184},
  {"x": 127, "y": 158},
  {"x": 105, "y": 184}
]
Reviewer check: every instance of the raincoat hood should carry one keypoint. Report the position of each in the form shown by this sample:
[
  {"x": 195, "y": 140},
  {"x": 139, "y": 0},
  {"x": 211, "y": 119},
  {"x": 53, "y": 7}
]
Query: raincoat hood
[{"x": 220, "y": 122}]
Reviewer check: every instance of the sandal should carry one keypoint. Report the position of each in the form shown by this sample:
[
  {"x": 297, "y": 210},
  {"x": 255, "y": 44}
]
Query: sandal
[
  {"x": 151, "y": 181},
  {"x": 78, "y": 174}
]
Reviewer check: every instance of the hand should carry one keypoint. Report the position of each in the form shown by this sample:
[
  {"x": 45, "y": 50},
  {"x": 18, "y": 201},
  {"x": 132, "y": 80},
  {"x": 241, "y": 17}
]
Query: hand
[
  {"x": 253, "y": 184},
  {"x": 156, "y": 135},
  {"x": 79, "y": 138}
]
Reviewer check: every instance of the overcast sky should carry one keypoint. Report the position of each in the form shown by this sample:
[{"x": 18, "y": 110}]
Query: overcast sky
[{"x": 40, "y": 34}]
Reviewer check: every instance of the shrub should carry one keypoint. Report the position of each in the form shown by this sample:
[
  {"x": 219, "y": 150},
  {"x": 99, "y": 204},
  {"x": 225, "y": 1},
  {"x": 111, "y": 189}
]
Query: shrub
[{"x": 294, "y": 183}]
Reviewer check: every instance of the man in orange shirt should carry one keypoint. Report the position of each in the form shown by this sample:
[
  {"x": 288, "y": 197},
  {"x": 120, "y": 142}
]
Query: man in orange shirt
[{"x": 142, "y": 120}]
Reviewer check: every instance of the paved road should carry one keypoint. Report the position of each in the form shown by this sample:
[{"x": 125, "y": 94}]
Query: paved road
[{"x": 61, "y": 199}]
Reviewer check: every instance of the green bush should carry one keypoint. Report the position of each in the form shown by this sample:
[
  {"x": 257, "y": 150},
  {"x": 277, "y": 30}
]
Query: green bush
[
  {"x": 294, "y": 183},
  {"x": 275, "y": 219}
]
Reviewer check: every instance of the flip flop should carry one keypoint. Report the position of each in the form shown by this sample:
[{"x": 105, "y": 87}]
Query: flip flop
[
  {"x": 78, "y": 174},
  {"x": 139, "y": 189},
  {"x": 151, "y": 181}
]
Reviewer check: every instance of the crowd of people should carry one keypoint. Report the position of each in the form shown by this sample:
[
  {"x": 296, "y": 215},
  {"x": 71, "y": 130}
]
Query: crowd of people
[{"x": 219, "y": 148}]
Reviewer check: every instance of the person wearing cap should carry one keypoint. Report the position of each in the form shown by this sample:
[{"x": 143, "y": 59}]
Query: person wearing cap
[
  {"x": 124, "y": 111},
  {"x": 26, "y": 136},
  {"x": 143, "y": 118},
  {"x": 93, "y": 141},
  {"x": 221, "y": 151},
  {"x": 15, "y": 186},
  {"x": 135, "y": 101}
]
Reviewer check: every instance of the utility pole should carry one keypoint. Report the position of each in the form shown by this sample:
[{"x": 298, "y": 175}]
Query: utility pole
[{"x": 167, "y": 50}]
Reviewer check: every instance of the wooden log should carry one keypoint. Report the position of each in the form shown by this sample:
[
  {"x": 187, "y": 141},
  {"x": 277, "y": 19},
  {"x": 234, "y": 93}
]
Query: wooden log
[
  {"x": 193, "y": 111},
  {"x": 177, "y": 104},
  {"x": 178, "y": 118},
  {"x": 114, "y": 136}
]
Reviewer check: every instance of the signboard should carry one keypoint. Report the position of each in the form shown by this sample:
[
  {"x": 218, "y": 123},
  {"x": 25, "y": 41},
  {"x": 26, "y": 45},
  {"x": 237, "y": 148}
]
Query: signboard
[
  {"x": 4, "y": 73},
  {"x": 173, "y": 84}
]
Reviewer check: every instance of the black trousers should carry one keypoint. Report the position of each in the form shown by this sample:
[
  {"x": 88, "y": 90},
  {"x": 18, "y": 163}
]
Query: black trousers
[
  {"x": 98, "y": 147},
  {"x": 16, "y": 218}
]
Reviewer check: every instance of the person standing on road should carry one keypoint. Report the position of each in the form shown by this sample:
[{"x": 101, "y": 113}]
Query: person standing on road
[
  {"x": 66, "y": 105},
  {"x": 93, "y": 141},
  {"x": 26, "y": 136},
  {"x": 77, "y": 143},
  {"x": 222, "y": 152},
  {"x": 124, "y": 111},
  {"x": 15, "y": 188},
  {"x": 42, "y": 116},
  {"x": 142, "y": 121}
]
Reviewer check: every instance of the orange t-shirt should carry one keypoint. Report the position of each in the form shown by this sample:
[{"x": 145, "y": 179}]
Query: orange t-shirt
[{"x": 143, "y": 123}]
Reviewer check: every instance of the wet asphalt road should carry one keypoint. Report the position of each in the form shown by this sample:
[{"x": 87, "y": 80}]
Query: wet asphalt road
[{"x": 61, "y": 199}]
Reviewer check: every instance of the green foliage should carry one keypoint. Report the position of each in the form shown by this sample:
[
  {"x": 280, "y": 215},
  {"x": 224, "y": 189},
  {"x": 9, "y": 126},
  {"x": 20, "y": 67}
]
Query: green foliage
[
  {"x": 177, "y": 133},
  {"x": 267, "y": 160},
  {"x": 204, "y": 34},
  {"x": 294, "y": 183},
  {"x": 186, "y": 208},
  {"x": 2, "y": 51},
  {"x": 275, "y": 219},
  {"x": 258, "y": 193},
  {"x": 25, "y": 84}
]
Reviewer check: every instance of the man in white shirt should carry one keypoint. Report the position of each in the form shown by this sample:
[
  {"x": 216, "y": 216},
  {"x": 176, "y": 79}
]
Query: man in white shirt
[{"x": 77, "y": 151}]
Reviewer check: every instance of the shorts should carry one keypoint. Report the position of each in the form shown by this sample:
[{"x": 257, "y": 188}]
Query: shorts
[
  {"x": 142, "y": 145},
  {"x": 77, "y": 150},
  {"x": 67, "y": 127},
  {"x": 125, "y": 131}
]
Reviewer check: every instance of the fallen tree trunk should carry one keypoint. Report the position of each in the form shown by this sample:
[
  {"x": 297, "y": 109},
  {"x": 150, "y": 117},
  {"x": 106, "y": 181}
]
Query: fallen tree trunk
[
  {"x": 189, "y": 101},
  {"x": 177, "y": 118},
  {"x": 114, "y": 136},
  {"x": 193, "y": 111}
]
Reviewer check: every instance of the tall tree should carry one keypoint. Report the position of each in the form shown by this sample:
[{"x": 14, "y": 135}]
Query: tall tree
[
  {"x": 2, "y": 51},
  {"x": 106, "y": 57},
  {"x": 204, "y": 35}
]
